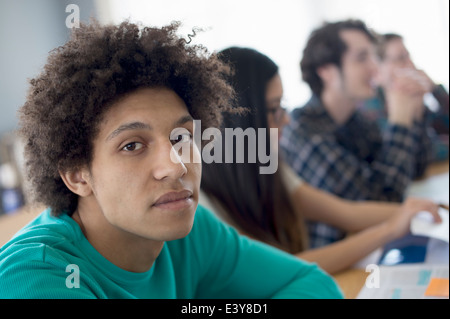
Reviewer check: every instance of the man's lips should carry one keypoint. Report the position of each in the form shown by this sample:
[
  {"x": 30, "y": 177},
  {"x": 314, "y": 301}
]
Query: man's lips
[{"x": 173, "y": 197}]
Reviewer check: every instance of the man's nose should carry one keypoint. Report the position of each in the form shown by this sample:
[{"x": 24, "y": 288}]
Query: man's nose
[
  {"x": 374, "y": 64},
  {"x": 167, "y": 163}
]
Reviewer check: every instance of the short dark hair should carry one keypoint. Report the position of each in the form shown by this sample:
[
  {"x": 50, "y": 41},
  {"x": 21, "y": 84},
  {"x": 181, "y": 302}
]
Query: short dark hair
[
  {"x": 84, "y": 77},
  {"x": 325, "y": 46},
  {"x": 383, "y": 40}
]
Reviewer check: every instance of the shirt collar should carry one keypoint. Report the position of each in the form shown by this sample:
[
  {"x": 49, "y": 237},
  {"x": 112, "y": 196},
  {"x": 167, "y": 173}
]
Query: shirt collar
[{"x": 320, "y": 113}]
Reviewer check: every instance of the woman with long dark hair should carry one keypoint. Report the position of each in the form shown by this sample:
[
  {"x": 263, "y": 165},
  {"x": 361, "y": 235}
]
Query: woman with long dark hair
[{"x": 272, "y": 207}]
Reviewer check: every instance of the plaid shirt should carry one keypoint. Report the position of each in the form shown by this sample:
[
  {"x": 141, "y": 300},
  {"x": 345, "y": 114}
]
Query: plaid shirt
[
  {"x": 438, "y": 121},
  {"x": 353, "y": 161}
]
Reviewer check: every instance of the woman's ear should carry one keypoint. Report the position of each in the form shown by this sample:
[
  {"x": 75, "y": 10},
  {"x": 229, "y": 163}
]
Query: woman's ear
[{"x": 76, "y": 181}]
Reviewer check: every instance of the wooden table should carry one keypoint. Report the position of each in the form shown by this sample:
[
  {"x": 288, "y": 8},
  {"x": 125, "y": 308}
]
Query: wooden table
[{"x": 352, "y": 280}]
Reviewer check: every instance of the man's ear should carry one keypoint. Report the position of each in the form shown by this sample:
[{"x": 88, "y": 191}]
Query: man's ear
[
  {"x": 76, "y": 181},
  {"x": 327, "y": 72}
]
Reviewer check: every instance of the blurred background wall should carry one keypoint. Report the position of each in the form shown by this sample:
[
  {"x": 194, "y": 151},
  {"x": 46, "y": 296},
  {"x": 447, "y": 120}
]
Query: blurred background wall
[
  {"x": 29, "y": 29},
  {"x": 280, "y": 28}
]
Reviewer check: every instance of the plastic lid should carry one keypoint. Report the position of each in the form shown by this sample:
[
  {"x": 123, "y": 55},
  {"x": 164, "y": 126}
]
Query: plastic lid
[{"x": 8, "y": 176}]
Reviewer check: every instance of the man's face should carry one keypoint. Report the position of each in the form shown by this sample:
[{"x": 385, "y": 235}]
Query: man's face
[
  {"x": 136, "y": 186},
  {"x": 396, "y": 57},
  {"x": 358, "y": 66}
]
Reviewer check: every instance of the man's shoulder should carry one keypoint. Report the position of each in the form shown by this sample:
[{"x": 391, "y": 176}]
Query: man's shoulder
[
  {"x": 46, "y": 225},
  {"x": 312, "y": 108},
  {"x": 38, "y": 239},
  {"x": 311, "y": 120},
  {"x": 35, "y": 262}
]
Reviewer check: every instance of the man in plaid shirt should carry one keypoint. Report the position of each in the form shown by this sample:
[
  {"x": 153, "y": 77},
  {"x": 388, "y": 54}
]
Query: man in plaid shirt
[{"x": 333, "y": 147}]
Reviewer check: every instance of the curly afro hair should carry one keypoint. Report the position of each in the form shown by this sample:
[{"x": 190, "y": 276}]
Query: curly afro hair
[{"x": 82, "y": 78}]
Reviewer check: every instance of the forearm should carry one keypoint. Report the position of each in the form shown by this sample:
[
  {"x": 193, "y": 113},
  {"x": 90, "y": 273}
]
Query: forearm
[
  {"x": 346, "y": 252},
  {"x": 369, "y": 213},
  {"x": 351, "y": 216},
  {"x": 343, "y": 254}
]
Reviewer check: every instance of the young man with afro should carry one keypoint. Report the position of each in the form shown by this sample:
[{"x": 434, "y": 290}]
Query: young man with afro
[{"x": 99, "y": 124}]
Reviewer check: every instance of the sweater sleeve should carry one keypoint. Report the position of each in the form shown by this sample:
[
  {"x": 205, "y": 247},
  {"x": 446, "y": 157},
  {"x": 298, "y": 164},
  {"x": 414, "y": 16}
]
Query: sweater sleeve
[
  {"x": 33, "y": 267},
  {"x": 234, "y": 266}
]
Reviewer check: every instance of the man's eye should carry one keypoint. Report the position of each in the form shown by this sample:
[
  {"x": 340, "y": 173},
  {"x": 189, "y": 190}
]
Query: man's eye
[
  {"x": 134, "y": 146},
  {"x": 362, "y": 58},
  {"x": 186, "y": 137}
]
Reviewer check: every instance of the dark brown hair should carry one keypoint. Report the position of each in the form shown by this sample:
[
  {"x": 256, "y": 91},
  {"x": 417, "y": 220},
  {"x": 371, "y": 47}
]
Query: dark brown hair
[
  {"x": 325, "y": 46},
  {"x": 383, "y": 40},
  {"x": 82, "y": 78}
]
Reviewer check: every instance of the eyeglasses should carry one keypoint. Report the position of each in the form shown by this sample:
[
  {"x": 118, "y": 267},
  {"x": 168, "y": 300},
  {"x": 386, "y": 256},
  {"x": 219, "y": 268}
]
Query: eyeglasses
[{"x": 278, "y": 114}]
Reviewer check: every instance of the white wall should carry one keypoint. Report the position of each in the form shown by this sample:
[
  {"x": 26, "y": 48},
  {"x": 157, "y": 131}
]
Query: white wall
[
  {"x": 280, "y": 28},
  {"x": 25, "y": 42},
  {"x": 29, "y": 29},
  {"x": 424, "y": 25}
]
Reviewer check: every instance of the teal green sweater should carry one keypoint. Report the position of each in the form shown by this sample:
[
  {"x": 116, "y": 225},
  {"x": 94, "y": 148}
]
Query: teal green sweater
[{"x": 51, "y": 258}]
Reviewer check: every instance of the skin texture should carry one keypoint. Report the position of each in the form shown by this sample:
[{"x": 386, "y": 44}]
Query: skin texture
[
  {"x": 397, "y": 72},
  {"x": 120, "y": 209},
  {"x": 353, "y": 81}
]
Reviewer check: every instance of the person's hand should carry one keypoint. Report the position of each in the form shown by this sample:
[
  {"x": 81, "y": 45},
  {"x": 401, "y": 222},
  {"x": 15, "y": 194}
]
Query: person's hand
[
  {"x": 428, "y": 86},
  {"x": 399, "y": 223},
  {"x": 425, "y": 81},
  {"x": 411, "y": 82},
  {"x": 405, "y": 96}
]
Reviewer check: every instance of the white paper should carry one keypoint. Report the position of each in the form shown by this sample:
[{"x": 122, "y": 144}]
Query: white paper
[
  {"x": 410, "y": 281},
  {"x": 422, "y": 224},
  {"x": 404, "y": 281},
  {"x": 437, "y": 252},
  {"x": 433, "y": 188}
]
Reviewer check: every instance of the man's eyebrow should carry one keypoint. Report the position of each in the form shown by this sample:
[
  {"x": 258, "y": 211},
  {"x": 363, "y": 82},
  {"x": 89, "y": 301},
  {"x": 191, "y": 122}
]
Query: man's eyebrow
[
  {"x": 141, "y": 126},
  {"x": 184, "y": 120},
  {"x": 275, "y": 100},
  {"x": 128, "y": 127}
]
